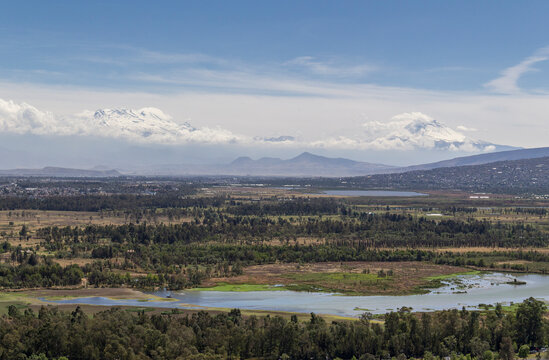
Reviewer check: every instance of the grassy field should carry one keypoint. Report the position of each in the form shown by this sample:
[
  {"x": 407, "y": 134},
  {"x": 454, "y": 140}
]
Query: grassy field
[
  {"x": 350, "y": 278},
  {"x": 12, "y": 221},
  {"x": 348, "y": 283},
  {"x": 449, "y": 276}
]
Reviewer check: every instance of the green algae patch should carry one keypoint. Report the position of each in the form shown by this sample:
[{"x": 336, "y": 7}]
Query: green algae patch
[{"x": 449, "y": 276}]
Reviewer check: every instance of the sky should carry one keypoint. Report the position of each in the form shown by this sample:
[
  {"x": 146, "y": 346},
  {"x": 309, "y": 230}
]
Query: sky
[{"x": 353, "y": 78}]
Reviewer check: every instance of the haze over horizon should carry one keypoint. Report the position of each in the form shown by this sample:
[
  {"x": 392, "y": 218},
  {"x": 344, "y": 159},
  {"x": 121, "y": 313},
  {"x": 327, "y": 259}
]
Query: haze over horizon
[{"x": 129, "y": 85}]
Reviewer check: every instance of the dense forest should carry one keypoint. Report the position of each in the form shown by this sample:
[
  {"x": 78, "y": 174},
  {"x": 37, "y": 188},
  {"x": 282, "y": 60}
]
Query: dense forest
[
  {"x": 374, "y": 230},
  {"x": 102, "y": 202},
  {"x": 184, "y": 266},
  {"x": 118, "y": 334}
]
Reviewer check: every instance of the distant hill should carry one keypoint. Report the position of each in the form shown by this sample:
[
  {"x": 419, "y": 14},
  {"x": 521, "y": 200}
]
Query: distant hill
[
  {"x": 60, "y": 172},
  {"x": 511, "y": 177},
  {"x": 303, "y": 165},
  {"x": 483, "y": 159},
  {"x": 306, "y": 164}
]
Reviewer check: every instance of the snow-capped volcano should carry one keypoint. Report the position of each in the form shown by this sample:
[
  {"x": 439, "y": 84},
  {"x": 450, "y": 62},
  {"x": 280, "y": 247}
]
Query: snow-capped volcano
[
  {"x": 150, "y": 125},
  {"x": 419, "y": 131},
  {"x": 147, "y": 124},
  {"x": 147, "y": 117}
]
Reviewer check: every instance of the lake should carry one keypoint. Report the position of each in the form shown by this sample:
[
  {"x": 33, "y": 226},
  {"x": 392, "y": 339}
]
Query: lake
[
  {"x": 463, "y": 291},
  {"x": 378, "y": 193}
]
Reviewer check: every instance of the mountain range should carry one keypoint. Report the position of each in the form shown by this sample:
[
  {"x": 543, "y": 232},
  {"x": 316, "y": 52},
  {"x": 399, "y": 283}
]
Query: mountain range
[
  {"x": 148, "y": 141},
  {"x": 303, "y": 165},
  {"x": 306, "y": 164},
  {"x": 61, "y": 172}
]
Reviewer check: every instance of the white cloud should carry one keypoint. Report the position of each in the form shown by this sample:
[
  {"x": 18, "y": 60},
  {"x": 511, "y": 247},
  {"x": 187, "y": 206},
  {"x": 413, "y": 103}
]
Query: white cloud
[
  {"x": 24, "y": 118},
  {"x": 151, "y": 125},
  {"x": 264, "y": 104},
  {"x": 330, "y": 68},
  {"x": 279, "y": 99},
  {"x": 146, "y": 125},
  {"x": 465, "y": 128},
  {"x": 408, "y": 131},
  {"x": 123, "y": 55},
  {"x": 287, "y": 139},
  {"x": 507, "y": 83}
]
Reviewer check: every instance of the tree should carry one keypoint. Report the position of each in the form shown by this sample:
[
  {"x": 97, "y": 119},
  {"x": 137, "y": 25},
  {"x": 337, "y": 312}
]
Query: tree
[
  {"x": 23, "y": 232},
  {"x": 478, "y": 347},
  {"x": 524, "y": 350},
  {"x": 488, "y": 355},
  {"x": 530, "y": 322},
  {"x": 13, "y": 311},
  {"x": 499, "y": 310},
  {"x": 506, "y": 351}
]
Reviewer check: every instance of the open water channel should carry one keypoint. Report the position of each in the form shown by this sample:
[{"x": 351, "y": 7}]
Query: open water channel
[{"x": 462, "y": 291}]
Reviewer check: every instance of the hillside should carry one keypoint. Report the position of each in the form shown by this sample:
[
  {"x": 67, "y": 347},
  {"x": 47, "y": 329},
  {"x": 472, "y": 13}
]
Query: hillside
[
  {"x": 484, "y": 158},
  {"x": 515, "y": 177},
  {"x": 306, "y": 164},
  {"x": 60, "y": 172}
]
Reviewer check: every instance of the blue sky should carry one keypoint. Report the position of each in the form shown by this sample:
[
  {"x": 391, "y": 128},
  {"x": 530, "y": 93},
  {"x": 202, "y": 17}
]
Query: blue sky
[
  {"x": 310, "y": 69},
  {"x": 449, "y": 45}
]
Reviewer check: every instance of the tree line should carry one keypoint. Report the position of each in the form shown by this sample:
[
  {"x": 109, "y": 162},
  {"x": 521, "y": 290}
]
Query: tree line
[
  {"x": 118, "y": 334},
  {"x": 179, "y": 266},
  {"x": 376, "y": 230}
]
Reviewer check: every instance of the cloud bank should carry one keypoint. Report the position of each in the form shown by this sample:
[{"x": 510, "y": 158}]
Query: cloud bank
[
  {"x": 411, "y": 131},
  {"x": 406, "y": 131},
  {"x": 146, "y": 125}
]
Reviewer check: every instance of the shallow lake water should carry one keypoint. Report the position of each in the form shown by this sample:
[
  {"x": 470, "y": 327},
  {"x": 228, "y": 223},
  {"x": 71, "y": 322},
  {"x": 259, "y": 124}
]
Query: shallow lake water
[
  {"x": 377, "y": 193},
  {"x": 463, "y": 291}
]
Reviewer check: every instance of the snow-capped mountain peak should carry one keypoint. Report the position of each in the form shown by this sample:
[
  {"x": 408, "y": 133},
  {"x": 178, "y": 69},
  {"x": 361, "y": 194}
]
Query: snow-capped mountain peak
[
  {"x": 406, "y": 131},
  {"x": 416, "y": 130},
  {"x": 149, "y": 115},
  {"x": 145, "y": 125},
  {"x": 142, "y": 124}
]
